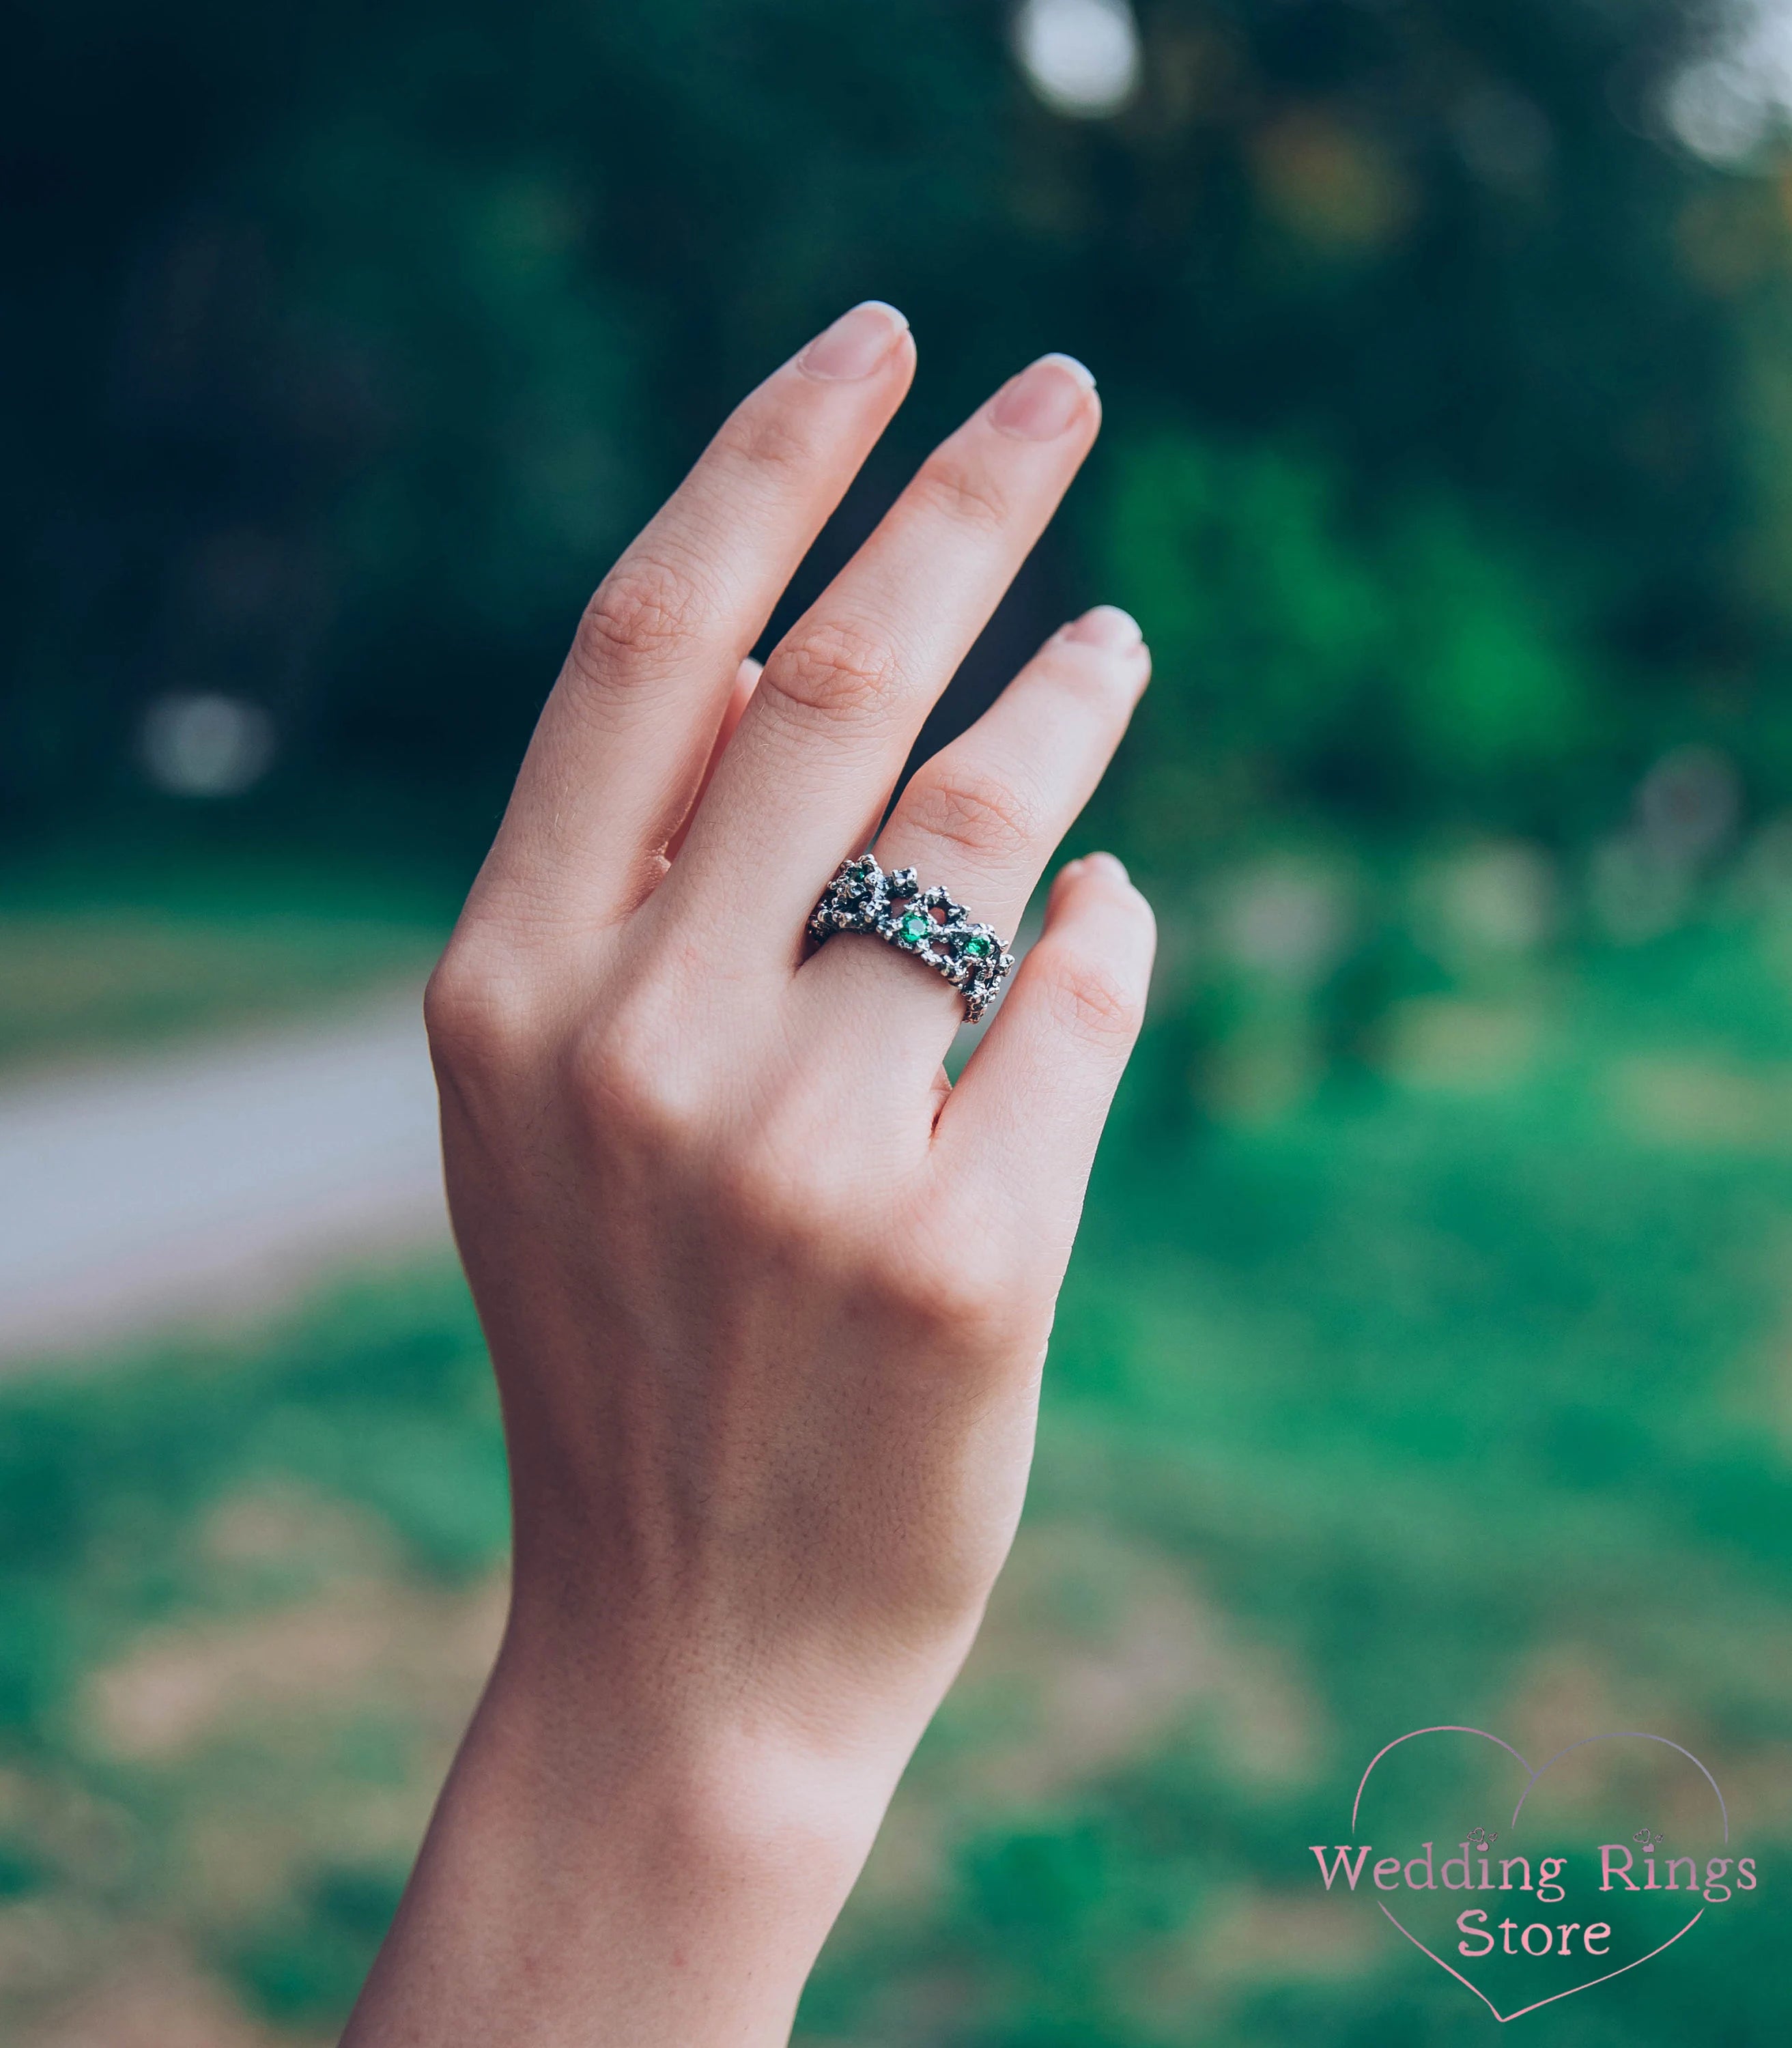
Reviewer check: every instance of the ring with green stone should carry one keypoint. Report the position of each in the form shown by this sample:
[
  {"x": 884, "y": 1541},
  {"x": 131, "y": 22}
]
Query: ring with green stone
[{"x": 924, "y": 922}]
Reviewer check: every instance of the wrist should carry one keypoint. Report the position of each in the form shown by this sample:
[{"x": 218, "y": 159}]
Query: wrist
[
  {"x": 719, "y": 1781},
  {"x": 751, "y": 1709},
  {"x": 698, "y": 1860}
]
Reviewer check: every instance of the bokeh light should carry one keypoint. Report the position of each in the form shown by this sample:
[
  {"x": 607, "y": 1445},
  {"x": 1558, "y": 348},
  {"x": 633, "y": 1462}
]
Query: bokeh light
[
  {"x": 206, "y": 745},
  {"x": 1080, "y": 56}
]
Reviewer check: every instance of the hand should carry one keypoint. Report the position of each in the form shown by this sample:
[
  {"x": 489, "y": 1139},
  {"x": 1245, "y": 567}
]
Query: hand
[{"x": 767, "y": 1297}]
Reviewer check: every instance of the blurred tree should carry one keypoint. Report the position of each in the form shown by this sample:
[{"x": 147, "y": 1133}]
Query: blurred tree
[
  {"x": 1381, "y": 661},
  {"x": 346, "y": 348}
]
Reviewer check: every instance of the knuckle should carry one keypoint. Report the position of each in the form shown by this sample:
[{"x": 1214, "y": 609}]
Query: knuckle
[
  {"x": 477, "y": 1009},
  {"x": 628, "y": 1090},
  {"x": 1091, "y": 1000},
  {"x": 832, "y": 672},
  {"x": 976, "y": 811},
  {"x": 961, "y": 492},
  {"x": 949, "y": 1287},
  {"x": 763, "y": 437},
  {"x": 956, "y": 1306},
  {"x": 642, "y": 616}
]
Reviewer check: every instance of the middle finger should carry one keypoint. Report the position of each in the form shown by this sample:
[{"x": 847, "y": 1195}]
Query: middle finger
[{"x": 844, "y": 693}]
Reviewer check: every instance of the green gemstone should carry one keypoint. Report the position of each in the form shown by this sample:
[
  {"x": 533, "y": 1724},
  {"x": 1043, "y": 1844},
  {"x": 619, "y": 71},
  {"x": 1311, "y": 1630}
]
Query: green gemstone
[
  {"x": 915, "y": 927},
  {"x": 978, "y": 947}
]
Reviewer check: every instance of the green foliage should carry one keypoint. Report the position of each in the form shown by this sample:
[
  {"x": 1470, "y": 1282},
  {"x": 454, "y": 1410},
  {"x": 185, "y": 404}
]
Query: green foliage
[
  {"x": 381, "y": 1398},
  {"x": 1315, "y": 651},
  {"x": 305, "y": 1966},
  {"x": 359, "y": 342},
  {"x": 21, "y": 1871}
]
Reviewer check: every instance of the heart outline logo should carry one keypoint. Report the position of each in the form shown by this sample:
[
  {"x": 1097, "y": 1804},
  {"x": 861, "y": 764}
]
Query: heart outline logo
[{"x": 1533, "y": 1775}]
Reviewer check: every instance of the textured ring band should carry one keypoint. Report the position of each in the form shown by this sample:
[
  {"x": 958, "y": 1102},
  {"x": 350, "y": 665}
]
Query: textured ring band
[{"x": 926, "y": 922}]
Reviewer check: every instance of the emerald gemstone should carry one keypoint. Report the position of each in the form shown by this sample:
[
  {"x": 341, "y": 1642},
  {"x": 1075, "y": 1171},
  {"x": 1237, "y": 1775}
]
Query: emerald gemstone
[
  {"x": 978, "y": 947},
  {"x": 915, "y": 927}
]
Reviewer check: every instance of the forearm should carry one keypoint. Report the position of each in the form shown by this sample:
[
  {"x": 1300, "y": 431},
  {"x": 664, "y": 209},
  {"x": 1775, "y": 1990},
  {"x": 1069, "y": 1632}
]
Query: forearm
[{"x": 586, "y": 1880}]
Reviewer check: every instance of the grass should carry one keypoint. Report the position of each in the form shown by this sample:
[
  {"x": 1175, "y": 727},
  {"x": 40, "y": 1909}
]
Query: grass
[
  {"x": 1453, "y": 1382},
  {"x": 115, "y": 958}
]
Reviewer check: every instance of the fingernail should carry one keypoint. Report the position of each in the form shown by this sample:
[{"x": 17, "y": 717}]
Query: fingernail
[
  {"x": 856, "y": 343},
  {"x": 1070, "y": 871},
  {"x": 1109, "y": 864},
  {"x": 1046, "y": 397},
  {"x": 1108, "y": 626}
]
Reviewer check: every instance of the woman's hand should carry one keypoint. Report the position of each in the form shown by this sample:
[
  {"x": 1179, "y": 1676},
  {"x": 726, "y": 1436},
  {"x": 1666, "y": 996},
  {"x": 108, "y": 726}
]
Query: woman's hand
[{"x": 767, "y": 1298}]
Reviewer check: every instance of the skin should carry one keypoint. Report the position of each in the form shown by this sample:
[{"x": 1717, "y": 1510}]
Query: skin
[{"x": 767, "y": 1297}]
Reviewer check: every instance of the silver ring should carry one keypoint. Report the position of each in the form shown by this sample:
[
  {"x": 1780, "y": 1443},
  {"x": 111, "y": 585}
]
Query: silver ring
[{"x": 924, "y": 922}]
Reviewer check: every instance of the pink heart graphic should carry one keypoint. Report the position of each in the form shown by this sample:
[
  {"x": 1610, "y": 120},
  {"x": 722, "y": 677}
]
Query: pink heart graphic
[{"x": 1533, "y": 1775}]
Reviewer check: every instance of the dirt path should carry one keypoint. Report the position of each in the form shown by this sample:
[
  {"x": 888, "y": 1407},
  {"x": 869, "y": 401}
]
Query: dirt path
[{"x": 211, "y": 1179}]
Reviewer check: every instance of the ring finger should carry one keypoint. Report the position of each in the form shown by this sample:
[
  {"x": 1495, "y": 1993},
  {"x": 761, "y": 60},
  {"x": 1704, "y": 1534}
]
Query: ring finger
[{"x": 984, "y": 816}]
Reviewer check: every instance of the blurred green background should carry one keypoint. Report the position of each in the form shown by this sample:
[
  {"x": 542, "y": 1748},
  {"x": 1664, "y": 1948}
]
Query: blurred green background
[{"x": 1428, "y": 1356}]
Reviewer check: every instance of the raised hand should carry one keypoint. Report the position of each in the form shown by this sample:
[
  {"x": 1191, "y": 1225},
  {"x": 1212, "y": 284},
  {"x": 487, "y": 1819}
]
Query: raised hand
[{"x": 766, "y": 1297}]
